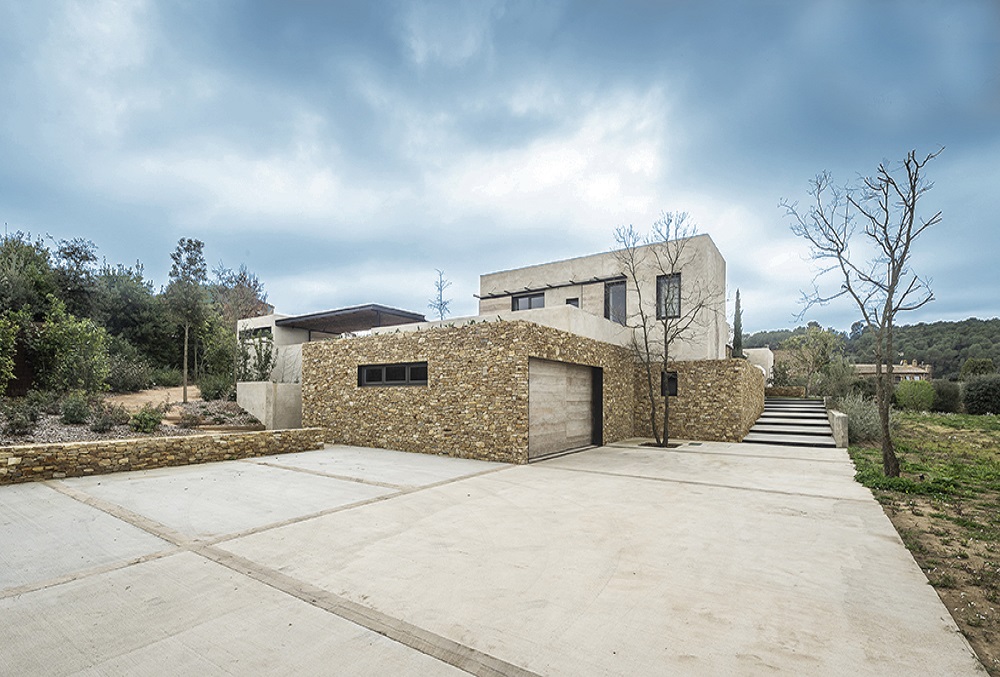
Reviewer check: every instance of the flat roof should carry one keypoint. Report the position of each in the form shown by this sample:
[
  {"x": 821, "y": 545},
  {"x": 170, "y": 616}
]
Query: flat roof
[{"x": 355, "y": 318}]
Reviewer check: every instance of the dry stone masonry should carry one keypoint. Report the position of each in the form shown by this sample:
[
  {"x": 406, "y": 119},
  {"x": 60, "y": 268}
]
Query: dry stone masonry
[{"x": 35, "y": 462}]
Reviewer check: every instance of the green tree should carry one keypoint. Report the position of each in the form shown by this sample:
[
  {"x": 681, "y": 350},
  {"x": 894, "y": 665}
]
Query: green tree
[
  {"x": 127, "y": 307},
  {"x": 75, "y": 274},
  {"x": 977, "y": 366},
  {"x": 812, "y": 353},
  {"x": 70, "y": 353},
  {"x": 738, "y": 328},
  {"x": 236, "y": 295},
  {"x": 26, "y": 276},
  {"x": 186, "y": 295},
  {"x": 8, "y": 338}
]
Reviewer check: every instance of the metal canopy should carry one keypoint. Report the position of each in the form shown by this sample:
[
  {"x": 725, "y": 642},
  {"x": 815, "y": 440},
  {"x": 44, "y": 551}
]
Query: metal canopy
[{"x": 356, "y": 318}]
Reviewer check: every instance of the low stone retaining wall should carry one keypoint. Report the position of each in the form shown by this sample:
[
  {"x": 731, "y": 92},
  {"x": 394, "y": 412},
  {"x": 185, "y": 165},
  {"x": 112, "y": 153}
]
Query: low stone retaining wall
[
  {"x": 717, "y": 400},
  {"x": 35, "y": 462},
  {"x": 785, "y": 391}
]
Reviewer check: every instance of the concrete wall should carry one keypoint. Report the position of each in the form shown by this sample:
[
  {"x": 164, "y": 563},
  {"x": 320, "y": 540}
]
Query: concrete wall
[
  {"x": 763, "y": 358},
  {"x": 703, "y": 272},
  {"x": 287, "y": 345},
  {"x": 475, "y": 404},
  {"x": 277, "y": 405},
  {"x": 717, "y": 400},
  {"x": 35, "y": 462},
  {"x": 565, "y": 318}
]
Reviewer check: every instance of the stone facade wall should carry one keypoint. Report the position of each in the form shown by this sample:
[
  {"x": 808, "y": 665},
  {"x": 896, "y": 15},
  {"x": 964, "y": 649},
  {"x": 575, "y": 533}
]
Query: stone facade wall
[
  {"x": 717, "y": 400},
  {"x": 475, "y": 403},
  {"x": 34, "y": 462}
]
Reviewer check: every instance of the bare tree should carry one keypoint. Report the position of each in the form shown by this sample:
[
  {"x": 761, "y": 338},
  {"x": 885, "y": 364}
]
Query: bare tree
[
  {"x": 658, "y": 324},
  {"x": 877, "y": 275},
  {"x": 439, "y": 304}
]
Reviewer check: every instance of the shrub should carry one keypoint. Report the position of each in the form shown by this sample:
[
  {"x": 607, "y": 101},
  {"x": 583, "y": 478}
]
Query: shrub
[
  {"x": 865, "y": 387},
  {"x": 146, "y": 420},
  {"x": 75, "y": 408},
  {"x": 107, "y": 416},
  {"x": 216, "y": 387},
  {"x": 167, "y": 378},
  {"x": 70, "y": 352},
  {"x": 947, "y": 396},
  {"x": 128, "y": 371},
  {"x": 862, "y": 418},
  {"x": 8, "y": 336},
  {"x": 44, "y": 401},
  {"x": 915, "y": 395},
  {"x": 982, "y": 395},
  {"x": 189, "y": 419},
  {"x": 20, "y": 416}
]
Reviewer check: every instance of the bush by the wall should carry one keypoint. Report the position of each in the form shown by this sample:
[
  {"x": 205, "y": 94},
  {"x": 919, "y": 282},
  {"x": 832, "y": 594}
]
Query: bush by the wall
[
  {"x": 915, "y": 395},
  {"x": 862, "y": 418},
  {"x": 106, "y": 416},
  {"x": 982, "y": 395},
  {"x": 146, "y": 420},
  {"x": 75, "y": 408},
  {"x": 167, "y": 378},
  {"x": 947, "y": 396},
  {"x": 865, "y": 387},
  {"x": 20, "y": 416},
  {"x": 216, "y": 387},
  {"x": 128, "y": 371}
]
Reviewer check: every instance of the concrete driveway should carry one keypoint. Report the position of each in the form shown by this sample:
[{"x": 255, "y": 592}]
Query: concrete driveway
[{"x": 708, "y": 559}]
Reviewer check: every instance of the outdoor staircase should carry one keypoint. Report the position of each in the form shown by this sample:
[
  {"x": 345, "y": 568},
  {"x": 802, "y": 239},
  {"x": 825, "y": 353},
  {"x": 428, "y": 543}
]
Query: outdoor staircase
[{"x": 798, "y": 423}]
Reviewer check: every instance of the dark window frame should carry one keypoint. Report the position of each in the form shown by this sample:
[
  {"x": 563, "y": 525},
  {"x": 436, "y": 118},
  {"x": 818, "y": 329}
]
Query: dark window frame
[
  {"x": 663, "y": 282},
  {"x": 530, "y": 298},
  {"x": 608, "y": 287},
  {"x": 412, "y": 374}
]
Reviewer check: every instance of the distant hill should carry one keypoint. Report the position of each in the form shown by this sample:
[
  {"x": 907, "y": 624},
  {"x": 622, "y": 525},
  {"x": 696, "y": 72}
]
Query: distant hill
[{"x": 946, "y": 345}]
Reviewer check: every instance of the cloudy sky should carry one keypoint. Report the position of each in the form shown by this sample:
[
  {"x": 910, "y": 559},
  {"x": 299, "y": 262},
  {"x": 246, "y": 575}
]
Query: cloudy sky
[{"x": 346, "y": 150}]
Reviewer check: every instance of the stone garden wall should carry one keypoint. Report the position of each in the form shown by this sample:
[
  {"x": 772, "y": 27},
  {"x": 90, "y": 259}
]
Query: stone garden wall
[
  {"x": 54, "y": 461},
  {"x": 717, "y": 400},
  {"x": 475, "y": 403}
]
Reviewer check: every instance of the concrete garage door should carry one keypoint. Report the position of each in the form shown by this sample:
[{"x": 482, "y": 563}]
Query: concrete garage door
[{"x": 560, "y": 407}]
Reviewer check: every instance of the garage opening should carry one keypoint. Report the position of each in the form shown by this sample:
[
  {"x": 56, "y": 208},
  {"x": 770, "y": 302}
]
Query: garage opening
[{"x": 565, "y": 410}]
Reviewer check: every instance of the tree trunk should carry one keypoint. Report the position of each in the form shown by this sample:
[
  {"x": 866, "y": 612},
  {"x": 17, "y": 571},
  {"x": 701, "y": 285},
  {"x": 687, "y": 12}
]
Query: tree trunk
[
  {"x": 666, "y": 417},
  {"x": 890, "y": 464},
  {"x": 652, "y": 401},
  {"x": 185, "y": 370}
]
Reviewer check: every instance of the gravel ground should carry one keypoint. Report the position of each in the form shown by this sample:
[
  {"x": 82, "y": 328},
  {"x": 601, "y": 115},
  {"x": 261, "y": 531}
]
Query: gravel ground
[{"x": 51, "y": 429}]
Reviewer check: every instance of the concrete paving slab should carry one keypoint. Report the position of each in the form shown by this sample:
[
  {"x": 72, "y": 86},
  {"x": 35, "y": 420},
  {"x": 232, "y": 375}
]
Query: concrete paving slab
[
  {"x": 215, "y": 499},
  {"x": 45, "y": 535},
  {"x": 397, "y": 468},
  {"x": 185, "y": 615},
  {"x": 769, "y": 470},
  {"x": 579, "y": 570}
]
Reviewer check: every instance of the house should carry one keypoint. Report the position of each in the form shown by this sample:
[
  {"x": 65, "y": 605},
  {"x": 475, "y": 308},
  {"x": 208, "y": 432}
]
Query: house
[
  {"x": 904, "y": 371},
  {"x": 547, "y": 366}
]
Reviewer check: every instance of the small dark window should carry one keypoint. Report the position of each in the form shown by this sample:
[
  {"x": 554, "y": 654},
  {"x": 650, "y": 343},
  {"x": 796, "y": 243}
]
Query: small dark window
[
  {"x": 614, "y": 301},
  {"x": 407, "y": 374},
  {"x": 668, "y": 296},
  {"x": 255, "y": 333},
  {"x": 527, "y": 302},
  {"x": 573, "y": 302}
]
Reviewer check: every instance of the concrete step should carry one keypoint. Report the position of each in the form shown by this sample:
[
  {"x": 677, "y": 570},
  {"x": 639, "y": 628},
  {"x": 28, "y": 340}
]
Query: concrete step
[
  {"x": 792, "y": 440},
  {"x": 793, "y": 420},
  {"x": 792, "y": 429}
]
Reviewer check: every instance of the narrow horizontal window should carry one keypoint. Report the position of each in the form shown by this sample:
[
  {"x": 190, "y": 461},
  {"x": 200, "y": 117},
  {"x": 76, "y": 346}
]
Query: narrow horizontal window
[
  {"x": 405, "y": 374},
  {"x": 527, "y": 302},
  {"x": 575, "y": 302}
]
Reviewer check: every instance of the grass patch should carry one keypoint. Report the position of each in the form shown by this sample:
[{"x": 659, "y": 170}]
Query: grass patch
[{"x": 945, "y": 506}]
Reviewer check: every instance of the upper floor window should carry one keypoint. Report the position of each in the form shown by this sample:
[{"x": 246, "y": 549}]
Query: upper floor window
[
  {"x": 527, "y": 302},
  {"x": 614, "y": 301},
  {"x": 407, "y": 374},
  {"x": 668, "y": 296}
]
